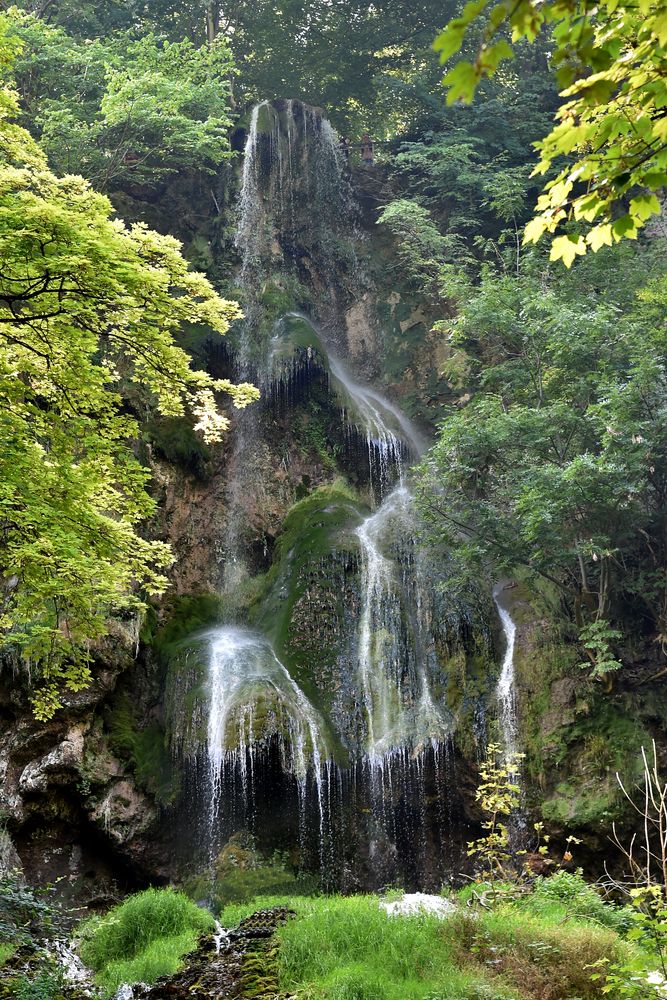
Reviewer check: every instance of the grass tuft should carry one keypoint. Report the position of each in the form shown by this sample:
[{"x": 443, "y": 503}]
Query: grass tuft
[{"x": 143, "y": 938}]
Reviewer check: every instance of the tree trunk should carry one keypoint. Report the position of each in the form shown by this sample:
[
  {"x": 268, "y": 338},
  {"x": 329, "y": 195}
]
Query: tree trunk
[{"x": 212, "y": 22}]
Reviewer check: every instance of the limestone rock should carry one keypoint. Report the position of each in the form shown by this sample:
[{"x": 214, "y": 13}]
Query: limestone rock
[
  {"x": 56, "y": 767},
  {"x": 124, "y": 812}
]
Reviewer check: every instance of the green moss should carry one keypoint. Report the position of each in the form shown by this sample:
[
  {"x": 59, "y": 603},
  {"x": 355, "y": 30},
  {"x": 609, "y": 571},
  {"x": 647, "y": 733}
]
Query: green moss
[
  {"x": 312, "y": 430},
  {"x": 6, "y": 951},
  {"x": 591, "y": 751},
  {"x": 279, "y": 294},
  {"x": 184, "y": 615},
  {"x": 316, "y": 536},
  {"x": 145, "y": 749},
  {"x": 296, "y": 332}
]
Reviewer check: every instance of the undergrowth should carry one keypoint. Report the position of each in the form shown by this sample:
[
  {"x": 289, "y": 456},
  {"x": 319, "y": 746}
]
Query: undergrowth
[{"x": 348, "y": 949}]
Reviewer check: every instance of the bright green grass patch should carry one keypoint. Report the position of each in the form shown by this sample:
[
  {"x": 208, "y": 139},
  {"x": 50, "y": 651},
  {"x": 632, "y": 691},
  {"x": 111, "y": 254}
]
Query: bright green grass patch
[
  {"x": 6, "y": 951},
  {"x": 347, "y": 948},
  {"x": 143, "y": 938},
  {"x": 161, "y": 957}
]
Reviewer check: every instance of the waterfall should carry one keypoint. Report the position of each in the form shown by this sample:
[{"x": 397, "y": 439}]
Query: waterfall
[
  {"x": 291, "y": 160},
  {"x": 294, "y": 200},
  {"x": 253, "y": 698},
  {"x": 399, "y": 706},
  {"x": 358, "y": 761},
  {"x": 505, "y": 692},
  {"x": 389, "y": 436}
]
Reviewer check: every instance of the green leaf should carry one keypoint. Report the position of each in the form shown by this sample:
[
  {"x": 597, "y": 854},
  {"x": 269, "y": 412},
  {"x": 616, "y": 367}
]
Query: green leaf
[
  {"x": 654, "y": 179},
  {"x": 566, "y": 248},
  {"x": 599, "y": 236},
  {"x": 449, "y": 41},
  {"x": 625, "y": 227},
  {"x": 643, "y": 206},
  {"x": 461, "y": 82}
]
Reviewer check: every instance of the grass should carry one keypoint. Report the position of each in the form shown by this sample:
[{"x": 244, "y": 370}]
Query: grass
[
  {"x": 143, "y": 938},
  {"x": 347, "y": 948},
  {"x": 6, "y": 951},
  {"x": 539, "y": 946},
  {"x": 161, "y": 957}
]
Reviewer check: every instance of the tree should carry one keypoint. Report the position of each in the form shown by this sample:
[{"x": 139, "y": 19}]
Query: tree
[
  {"x": 124, "y": 110},
  {"x": 557, "y": 462},
  {"x": 607, "y": 154},
  {"x": 421, "y": 249},
  {"x": 88, "y": 312}
]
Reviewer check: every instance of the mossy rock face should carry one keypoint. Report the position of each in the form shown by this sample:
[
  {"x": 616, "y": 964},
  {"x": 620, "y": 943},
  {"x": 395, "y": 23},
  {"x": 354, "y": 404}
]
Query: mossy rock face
[
  {"x": 570, "y": 726},
  {"x": 181, "y": 617},
  {"x": 145, "y": 748},
  {"x": 592, "y": 751},
  {"x": 175, "y": 440}
]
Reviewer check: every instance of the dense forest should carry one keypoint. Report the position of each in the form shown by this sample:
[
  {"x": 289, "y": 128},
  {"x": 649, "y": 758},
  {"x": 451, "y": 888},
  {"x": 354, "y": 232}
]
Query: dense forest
[{"x": 333, "y": 487}]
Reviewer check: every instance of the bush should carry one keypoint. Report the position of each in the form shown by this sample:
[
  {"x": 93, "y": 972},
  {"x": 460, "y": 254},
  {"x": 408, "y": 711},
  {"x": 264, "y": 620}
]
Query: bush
[
  {"x": 543, "y": 955},
  {"x": 143, "y": 938},
  {"x": 47, "y": 985},
  {"x": 582, "y": 900},
  {"x": 26, "y": 913}
]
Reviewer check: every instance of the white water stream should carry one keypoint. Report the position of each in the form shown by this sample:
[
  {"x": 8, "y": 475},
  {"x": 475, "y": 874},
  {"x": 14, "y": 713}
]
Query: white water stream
[
  {"x": 505, "y": 691},
  {"x": 252, "y": 698}
]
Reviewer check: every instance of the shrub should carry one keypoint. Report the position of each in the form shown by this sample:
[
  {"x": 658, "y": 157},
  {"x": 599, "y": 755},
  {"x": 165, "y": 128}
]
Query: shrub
[
  {"x": 543, "y": 956},
  {"x": 26, "y": 913},
  {"x": 581, "y": 898},
  {"x": 47, "y": 985}
]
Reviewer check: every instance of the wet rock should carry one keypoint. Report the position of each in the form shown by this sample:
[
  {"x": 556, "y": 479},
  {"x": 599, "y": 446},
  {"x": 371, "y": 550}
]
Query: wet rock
[
  {"x": 125, "y": 813},
  {"x": 9, "y": 857},
  {"x": 228, "y": 967}
]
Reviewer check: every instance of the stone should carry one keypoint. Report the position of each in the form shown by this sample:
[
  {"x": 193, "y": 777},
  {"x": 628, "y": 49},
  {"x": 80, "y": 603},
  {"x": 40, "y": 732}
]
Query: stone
[
  {"x": 413, "y": 904},
  {"x": 56, "y": 767},
  {"x": 124, "y": 812}
]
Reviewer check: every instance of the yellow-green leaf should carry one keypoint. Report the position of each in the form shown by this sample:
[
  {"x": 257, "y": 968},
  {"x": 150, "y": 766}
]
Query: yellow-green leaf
[
  {"x": 600, "y": 236},
  {"x": 566, "y": 248},
  {"x": 534, "y": 229}
]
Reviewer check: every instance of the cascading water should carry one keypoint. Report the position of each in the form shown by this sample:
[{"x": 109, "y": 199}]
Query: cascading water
[
  {"x": 370, "y": 415},
  {"x": 359, "y": 772},
  {"x": 505, "y": 693},
  {"x": 399, "y": 706},
  {"x": 291, "y": 159},
  {"x": 247, "y": 680}
]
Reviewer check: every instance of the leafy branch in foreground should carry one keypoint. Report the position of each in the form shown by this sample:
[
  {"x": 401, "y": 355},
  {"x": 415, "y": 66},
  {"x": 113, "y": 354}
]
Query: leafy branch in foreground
[
  {"x": 609, "y": 145},
  {"x": 497, "y": 796},
  {"x": 88, "y": 312}
]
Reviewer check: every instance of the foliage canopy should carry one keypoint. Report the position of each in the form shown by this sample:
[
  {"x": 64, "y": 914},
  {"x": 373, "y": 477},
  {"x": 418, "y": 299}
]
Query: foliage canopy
[
  {"x": 88, "y": 312},
  {"x": 607, "y": 154}
]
